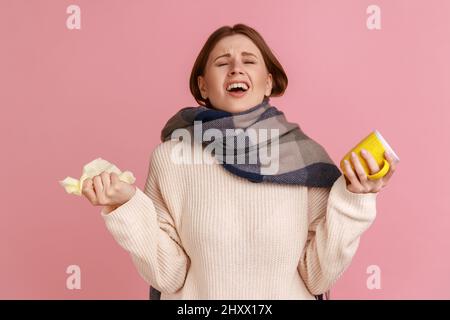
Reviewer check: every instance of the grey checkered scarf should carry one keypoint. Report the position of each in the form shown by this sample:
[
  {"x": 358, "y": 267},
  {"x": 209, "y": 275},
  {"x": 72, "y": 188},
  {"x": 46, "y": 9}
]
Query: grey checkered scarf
[{"x": 299, "y": 159}]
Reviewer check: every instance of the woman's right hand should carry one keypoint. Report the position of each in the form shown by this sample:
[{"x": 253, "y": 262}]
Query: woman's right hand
[{"x": 106, "y": 189}]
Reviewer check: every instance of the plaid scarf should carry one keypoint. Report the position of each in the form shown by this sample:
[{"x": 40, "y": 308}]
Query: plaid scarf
[{"x": 302, "y": 161}]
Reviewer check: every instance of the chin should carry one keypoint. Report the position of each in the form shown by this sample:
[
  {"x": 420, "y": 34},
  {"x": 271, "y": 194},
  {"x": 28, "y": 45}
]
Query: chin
[
  {"x": 236, "y": 105},
  {"x": 239, "y": 106}
]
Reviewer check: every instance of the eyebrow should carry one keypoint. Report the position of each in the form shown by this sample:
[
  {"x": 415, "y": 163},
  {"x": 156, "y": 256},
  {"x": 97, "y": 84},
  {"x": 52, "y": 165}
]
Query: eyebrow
[{"x": 244, "y": 53}]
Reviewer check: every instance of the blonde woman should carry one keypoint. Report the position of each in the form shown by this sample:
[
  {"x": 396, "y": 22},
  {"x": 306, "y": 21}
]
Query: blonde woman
[{"x": 227, "y": 229}]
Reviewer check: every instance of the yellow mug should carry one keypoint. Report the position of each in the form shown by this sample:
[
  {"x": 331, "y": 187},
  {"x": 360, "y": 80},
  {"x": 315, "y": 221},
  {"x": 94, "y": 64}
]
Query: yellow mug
[{"x": 376, "y": 145}]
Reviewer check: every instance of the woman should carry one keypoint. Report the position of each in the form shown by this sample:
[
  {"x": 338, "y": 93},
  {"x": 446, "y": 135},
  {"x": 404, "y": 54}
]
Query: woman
[{"x": 225, "y": 230}]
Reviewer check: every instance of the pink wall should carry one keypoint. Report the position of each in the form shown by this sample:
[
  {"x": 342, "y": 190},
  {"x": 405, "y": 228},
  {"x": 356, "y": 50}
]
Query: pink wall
[{"x": 69, "y": 96}]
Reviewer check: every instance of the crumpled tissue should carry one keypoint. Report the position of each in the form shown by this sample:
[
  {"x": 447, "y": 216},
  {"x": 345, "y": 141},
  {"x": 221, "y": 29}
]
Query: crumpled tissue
[{"x": 92, "y": 169}]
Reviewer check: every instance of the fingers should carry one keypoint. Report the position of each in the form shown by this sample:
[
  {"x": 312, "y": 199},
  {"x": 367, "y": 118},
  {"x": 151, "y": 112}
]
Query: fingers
[
  {"x": 359, "y": 168},
  {"x": 351, "y": 175},
  {"x": 364, "y": 185},
  {"x": 114, "y": 178},
  {"x": 370, "y": 160},
  {"x": 98, "y": 185},
  {"x": 88, "y": 191},
  {"x": 106, "y": 182},
  {"x": 98, "y": 189}
]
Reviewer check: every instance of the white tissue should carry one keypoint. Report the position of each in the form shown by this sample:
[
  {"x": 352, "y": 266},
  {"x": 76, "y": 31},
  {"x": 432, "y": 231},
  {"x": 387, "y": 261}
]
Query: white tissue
[{"x": 92, "y": 169}]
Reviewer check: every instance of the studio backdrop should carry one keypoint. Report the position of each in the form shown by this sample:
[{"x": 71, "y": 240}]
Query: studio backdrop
[{"x": 86, "y": 79}]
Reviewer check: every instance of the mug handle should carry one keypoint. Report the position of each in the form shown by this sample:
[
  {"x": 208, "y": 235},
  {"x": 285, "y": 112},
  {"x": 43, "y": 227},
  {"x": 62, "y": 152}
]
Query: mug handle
[{"x": 380, "y": 173}]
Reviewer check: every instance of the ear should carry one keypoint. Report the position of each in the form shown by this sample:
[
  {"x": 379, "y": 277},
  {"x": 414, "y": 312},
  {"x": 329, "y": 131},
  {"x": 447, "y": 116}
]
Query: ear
[
  {"x": 269, "y": 84},
  {"x": 202, "y": 87}
]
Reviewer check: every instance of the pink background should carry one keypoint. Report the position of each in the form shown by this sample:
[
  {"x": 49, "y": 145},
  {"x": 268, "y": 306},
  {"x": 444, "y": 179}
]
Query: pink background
[{"x": 70, "y": 96}]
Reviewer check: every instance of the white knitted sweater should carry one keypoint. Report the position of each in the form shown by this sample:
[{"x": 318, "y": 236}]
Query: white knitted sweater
[{"x": 197, "y": 231}]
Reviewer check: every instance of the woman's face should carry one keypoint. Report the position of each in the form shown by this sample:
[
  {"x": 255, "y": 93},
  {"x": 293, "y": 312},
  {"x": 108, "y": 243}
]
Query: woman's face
[{"x": 235, "y": 59}]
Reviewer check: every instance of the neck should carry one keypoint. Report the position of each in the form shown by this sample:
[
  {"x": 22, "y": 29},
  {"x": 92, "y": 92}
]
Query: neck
[{"x": 265, "y": 101}]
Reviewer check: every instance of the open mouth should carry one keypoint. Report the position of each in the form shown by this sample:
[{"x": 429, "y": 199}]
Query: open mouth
[{"x": 237, "y": 89}]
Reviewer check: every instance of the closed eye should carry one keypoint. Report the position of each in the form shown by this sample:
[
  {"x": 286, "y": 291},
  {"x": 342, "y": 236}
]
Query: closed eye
[{"x": 247, "y": 62}]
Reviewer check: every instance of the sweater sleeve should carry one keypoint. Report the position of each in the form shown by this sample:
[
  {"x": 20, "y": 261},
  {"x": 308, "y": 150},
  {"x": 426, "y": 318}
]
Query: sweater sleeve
[
  {"x": 145, "y": 228},
  {"x": 337, "y": 219}
]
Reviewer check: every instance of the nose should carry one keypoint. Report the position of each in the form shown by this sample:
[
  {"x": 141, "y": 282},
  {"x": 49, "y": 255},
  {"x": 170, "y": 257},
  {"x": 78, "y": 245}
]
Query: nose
[
  {"x": 233, "y": 72},
  {"x": 235, "y": 69}
]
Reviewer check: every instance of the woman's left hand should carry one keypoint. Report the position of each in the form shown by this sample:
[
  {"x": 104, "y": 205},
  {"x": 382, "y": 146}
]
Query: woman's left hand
[{"x": 359, "y": 182}]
